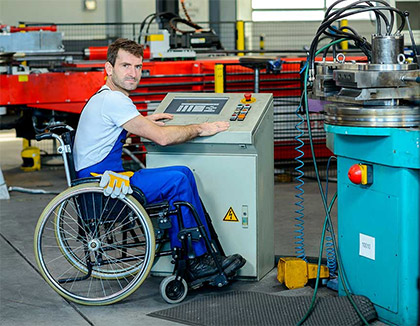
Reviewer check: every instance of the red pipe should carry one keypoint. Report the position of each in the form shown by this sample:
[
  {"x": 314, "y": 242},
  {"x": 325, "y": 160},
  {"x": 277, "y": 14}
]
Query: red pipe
[
  {"x": 96, "y": 52},
  {"x": 14, "y": 29},
  {"x": 99, "y": 53}
]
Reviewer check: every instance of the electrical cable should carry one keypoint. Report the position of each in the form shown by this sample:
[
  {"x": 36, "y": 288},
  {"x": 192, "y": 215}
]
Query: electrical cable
[
  {"x": 378, "y": 24},
  {"x": 309, "y": 70},
  {"x": 359, "y": 42},
  {"x": 369, "y": 3},
  {"x": 336, "y": 16},
  {"x": 329, "y": 244},
  {"x": 354, "y": 6},
  {"x": 321, "y": 248},
  {"x": 324, "y": 201},
  {"x": 185, "y": 10},
  {"x": 410, "y": 31},
  {"x": 326, "y": 207},
  {"x": 173, "y": 23},
  {"x": 33, "y": 191},
  {"x": 143, "y": 23},
  {"x": 330, "y": 18}
]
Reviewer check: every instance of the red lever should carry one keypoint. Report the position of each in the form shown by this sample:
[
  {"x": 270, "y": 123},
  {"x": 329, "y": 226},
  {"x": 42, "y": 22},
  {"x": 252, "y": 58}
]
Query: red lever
[
  {"x": 248, "y": 96},
  {"x": 355, "y": 174}
]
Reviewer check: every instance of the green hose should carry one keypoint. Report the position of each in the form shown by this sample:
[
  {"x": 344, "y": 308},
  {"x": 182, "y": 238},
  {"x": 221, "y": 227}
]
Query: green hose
[{"x": 327, "y": 209}]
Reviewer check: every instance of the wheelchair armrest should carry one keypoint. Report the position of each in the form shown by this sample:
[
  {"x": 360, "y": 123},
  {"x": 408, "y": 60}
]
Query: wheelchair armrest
[
  {"x": 79, "y": 181},
  {"x": 139, "y": 195},
  {"x": 157, "y": 206}
]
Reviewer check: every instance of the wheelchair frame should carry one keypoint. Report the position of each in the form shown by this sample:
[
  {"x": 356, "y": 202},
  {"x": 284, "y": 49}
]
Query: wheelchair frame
[{"x": 96, "y": 250}]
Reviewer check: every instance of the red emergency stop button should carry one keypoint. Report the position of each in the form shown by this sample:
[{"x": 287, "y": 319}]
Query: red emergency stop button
[
  {"x": 248, "y": 99},
  {"x": 355, "y": 174},
  {"x": 360, "y": 174},
  {"x": 248, "y": 96}
]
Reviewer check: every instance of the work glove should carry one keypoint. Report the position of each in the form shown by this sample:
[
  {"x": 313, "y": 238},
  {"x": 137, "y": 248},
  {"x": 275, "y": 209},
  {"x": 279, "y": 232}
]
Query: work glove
[{"x": 115, "y": 184}]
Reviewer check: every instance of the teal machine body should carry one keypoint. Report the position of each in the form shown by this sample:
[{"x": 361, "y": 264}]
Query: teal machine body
[
  {"x": 372, "y": 122},
  {"x": 378, "y": 224}
]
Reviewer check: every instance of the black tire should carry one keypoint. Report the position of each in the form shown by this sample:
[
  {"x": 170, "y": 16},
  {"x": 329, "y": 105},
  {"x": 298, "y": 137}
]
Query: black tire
[{"x": 173, "y": 289}]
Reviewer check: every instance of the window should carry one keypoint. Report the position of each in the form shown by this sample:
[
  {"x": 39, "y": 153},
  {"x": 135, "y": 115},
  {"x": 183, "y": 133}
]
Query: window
[{"x": 298, "y": 10}]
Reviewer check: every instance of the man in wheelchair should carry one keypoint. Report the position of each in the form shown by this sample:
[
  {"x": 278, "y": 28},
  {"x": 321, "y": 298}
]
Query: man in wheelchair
[{"x": 104, "y": 123}]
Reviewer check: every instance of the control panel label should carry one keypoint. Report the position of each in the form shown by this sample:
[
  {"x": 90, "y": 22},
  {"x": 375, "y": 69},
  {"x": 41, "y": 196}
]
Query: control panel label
[
  {"x": 196, "y": 105},
  {"x": 230, "y": 216},
  {"x": 366, "y": 246}
]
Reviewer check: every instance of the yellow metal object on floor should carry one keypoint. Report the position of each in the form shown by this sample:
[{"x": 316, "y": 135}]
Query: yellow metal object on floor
[
  {"x": 295, "y": 272},
  {"x": 31, "y": 157}
]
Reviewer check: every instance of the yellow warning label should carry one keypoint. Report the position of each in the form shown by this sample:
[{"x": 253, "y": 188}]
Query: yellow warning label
[
  {"x": 230, "y": 216},
  {"x": 23, "y": 78}
]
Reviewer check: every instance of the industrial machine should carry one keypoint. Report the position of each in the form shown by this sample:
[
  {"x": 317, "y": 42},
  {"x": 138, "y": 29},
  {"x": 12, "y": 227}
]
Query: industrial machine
[
  {"x": 26, "y": 99},
  {"x": 173, "y": 41},
  {"x": 233, "y": 169},
  {"x": 372, "y": 118}
]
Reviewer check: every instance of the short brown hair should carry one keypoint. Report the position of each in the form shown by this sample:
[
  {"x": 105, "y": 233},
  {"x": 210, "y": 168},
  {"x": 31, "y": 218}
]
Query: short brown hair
[{"x": 126, "y": 45}]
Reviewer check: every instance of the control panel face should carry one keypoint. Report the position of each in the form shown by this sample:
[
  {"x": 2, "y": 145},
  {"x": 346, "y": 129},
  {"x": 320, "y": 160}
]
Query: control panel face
[
  {"x": 196, "y": 105},
  {"x": 243, "y": 111},
  {"x": 240, "y": 112}
]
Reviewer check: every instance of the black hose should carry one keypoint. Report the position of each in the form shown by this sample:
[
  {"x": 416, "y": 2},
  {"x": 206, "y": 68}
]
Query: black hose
[{"x": 326, "y": 24}]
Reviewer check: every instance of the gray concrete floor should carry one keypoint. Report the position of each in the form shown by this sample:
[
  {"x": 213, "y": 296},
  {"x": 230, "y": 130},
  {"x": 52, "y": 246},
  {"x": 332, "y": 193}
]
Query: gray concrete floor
[{"x": 26, "y": 299}]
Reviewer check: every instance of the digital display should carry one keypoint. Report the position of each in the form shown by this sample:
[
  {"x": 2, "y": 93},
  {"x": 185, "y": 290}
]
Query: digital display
[{"x": 196, "y": 105}]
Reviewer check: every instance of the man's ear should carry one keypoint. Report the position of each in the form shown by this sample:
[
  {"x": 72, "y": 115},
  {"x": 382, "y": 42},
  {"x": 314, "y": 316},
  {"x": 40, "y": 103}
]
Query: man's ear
[{"x": 108, "y": 68}]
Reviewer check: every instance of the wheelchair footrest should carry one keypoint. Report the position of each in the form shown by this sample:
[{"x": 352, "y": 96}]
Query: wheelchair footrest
[{"x": 217, "y": 280}]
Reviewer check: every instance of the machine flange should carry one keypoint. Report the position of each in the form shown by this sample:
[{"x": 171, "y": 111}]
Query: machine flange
[{"x": 375, "y": 116}]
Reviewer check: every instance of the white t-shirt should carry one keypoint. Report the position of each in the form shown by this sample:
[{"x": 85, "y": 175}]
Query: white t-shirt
[{"x": 100, "y": 125}]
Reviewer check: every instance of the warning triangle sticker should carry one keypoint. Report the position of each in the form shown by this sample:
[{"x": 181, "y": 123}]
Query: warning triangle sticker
[{"x": 230, "y": 216}]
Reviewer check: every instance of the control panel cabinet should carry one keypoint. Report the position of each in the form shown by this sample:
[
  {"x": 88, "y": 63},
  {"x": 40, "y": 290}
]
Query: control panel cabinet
[{"x": 234, "y": 171}]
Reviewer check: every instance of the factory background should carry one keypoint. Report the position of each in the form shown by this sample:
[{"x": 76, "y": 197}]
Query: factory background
[
  {"x": 268, "y": 203},
  {"x": 134, "y": 11}
]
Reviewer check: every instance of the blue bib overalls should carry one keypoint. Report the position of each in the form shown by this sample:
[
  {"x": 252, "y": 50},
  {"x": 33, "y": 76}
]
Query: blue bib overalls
[{"x": 173, "y": 183}]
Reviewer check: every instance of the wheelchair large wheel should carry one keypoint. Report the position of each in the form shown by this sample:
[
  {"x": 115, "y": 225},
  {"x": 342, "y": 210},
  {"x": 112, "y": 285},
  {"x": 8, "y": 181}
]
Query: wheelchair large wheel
[
  {"x": 72, "y": 253},
  {"x": 93, "y": 249}
]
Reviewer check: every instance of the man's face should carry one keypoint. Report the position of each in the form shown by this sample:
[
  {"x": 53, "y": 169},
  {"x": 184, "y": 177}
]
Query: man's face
[{"x": 126, "y": 73}]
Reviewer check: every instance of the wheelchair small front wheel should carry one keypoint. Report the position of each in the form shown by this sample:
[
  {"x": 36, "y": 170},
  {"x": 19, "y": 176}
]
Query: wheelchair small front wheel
[{"x": 173, "y": 289}]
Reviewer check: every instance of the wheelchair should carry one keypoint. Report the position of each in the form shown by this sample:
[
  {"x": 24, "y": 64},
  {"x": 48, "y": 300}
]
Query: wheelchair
[{"x": 97, "y": 250}]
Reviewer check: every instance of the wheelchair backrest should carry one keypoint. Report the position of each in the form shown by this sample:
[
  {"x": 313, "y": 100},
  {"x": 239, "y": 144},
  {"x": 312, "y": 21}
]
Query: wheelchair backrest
[{"x": 68, "y": 139}]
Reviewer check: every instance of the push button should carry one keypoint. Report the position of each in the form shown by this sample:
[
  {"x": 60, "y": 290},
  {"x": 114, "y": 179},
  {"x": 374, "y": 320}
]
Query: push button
[
  {"x": 247, "y": 99},
  {"x": 361, "y": 174}
]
